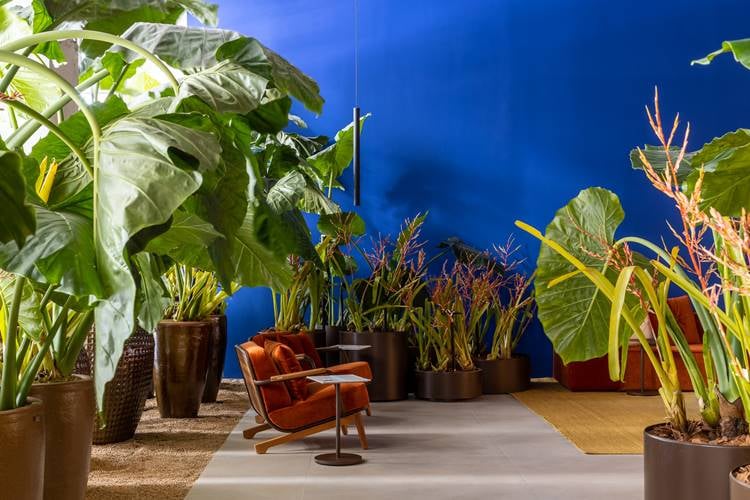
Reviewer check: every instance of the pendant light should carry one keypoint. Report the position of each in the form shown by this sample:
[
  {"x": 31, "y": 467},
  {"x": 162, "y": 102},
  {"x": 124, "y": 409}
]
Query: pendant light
[{"x": 357, "y": 166}]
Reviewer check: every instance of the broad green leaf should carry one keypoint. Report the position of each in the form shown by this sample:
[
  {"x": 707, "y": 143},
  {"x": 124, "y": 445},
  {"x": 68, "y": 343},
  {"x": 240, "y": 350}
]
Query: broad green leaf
[
  {"x": 286, "y": 193},
  {"x": 346, "y": 223},
  {"x": 29, "y": 315},
  {"x": 740, "y": 49},
  {"x": 39, "y": 19},
  {"x": 226, "y": 87},
  {"x": 17, "y": 222},
  {"x": 574, "y": 313},
  {"x": 271, "y": 116},
  {"x": 261, "y": 60},
  {"x": 658, "y": 160},
  {"x": 726, "y": 181},
  {"x": 182, "y": 47},
  {"x": 148, "y": 168},
  {"x": 255, "y": 264},
  {"x": 152, "y": 298},
  {"x": 187, "y": 233},
  {"x": 331, "y": 162}
]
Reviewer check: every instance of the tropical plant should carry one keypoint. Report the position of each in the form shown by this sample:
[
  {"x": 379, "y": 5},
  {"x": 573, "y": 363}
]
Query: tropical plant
[
  {"x": 169, "y": 172},
  {"x": 382, "y": 300},
  {"x": 194, "y": 294}
]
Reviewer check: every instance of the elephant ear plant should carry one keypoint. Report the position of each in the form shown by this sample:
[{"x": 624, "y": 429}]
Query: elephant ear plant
[{"x": 169, "y": 172}]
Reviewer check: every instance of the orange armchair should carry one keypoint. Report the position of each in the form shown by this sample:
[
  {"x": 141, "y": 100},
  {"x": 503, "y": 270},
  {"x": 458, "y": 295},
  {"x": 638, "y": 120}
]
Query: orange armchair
[
  {"x": 303, "y": 347},
  {"x": 294, "y": 417}
]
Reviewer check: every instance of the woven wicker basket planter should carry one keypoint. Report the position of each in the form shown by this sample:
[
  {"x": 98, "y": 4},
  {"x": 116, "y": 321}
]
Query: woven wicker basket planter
[{"x": 125, "y": 395}]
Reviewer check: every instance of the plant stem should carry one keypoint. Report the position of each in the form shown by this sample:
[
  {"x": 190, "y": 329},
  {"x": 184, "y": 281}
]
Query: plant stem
[{"x": 10, "y": 372}]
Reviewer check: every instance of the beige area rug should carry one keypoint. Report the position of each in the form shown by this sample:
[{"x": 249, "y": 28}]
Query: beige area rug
[
  {"x": 167, "y": 455},
  {"x": 598, "y": 423}
]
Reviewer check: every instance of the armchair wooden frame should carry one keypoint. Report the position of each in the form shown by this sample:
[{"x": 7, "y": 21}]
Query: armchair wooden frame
[{"x": 253, "y": 386}]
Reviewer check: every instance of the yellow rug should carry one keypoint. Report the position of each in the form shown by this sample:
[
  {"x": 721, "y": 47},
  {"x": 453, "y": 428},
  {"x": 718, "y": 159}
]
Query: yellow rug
[{"x": 598, "y": 423}]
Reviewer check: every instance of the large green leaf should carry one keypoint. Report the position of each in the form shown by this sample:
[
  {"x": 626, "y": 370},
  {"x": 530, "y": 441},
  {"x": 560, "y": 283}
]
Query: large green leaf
[
  {"x": 740, "y": 49},
  {"x": 255, "y": 264},
  {"x": 152, "y": 298},
  {"x": 17, "y": 222},
  {"x": 148, "y": 168},
  {"x": 657, "y": 158},
  {"x": 574, "y": 314},
  {"x": 61, "y": 252},
  {"x": 226, "y": 87},
  {"x": 726, "y": 180},
  {"x": 342, "y": 223},
  {"x": 331, "y": 162},
  {"x": 29, "y": 314},
  {"x": 261, "y": 60}
]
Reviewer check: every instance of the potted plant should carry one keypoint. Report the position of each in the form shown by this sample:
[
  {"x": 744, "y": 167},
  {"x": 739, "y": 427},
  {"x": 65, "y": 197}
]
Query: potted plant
[
  {"x": 377, "y": 308},
  {"x": 509, "y": 312},
  {"x": 582, "y": 266},
  {"x": 444, "y": 324},
  {"x": 184, "y": 340}
]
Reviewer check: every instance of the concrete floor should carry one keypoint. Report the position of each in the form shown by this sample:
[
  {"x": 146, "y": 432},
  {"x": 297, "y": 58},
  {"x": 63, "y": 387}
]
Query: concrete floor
[{"x": 491, "y": 448}]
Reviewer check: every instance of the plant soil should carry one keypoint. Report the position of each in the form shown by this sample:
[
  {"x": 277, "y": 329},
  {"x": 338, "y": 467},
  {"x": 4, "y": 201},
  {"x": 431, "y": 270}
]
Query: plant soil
[{"x": 698, "y": 433}]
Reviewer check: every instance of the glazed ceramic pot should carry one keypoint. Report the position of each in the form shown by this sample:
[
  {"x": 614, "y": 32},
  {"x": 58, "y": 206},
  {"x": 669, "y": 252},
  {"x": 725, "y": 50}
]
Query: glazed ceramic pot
[
  {"x": 448, "y": 386},
  {"x": 218, "y": 351},
  {"x": 388, "y": 359},
  {"x": 22, "y": 434},
  {"x": 503, "y": 376}
]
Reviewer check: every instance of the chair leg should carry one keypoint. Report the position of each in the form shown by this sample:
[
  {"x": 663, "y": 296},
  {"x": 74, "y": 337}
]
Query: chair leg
[
  {"x": 259, "y": 419},
  {"x": 344, "y": 430},
  {"x": 360, "y": 430},
  {"x": 263, "y": 446},
  {"x": 368, "y": 411},
  {"x": 252, "y": 431}
]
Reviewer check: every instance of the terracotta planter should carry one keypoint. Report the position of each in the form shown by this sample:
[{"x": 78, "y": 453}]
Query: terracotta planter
[
  {"x": 503, "y": 376},
  {"x": 678, "y": 470},
  {"x": 448, "y": 386},
  {"x": 387, "y": 357},
  {"x": 180, "y": 366},
  {"x": 738, "y": 490},
  {"x": 124, "y": 395},
  {"x": 22, "y": 434},
  {"x": 218, "y": 351},
  {"x": 69, "y": 420}
]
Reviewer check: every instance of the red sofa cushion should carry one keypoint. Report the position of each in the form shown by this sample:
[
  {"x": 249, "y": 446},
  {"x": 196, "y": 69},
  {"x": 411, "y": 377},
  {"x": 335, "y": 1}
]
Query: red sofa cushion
[
  {"x": 286, "y": 362},
  {"x": 275, "y": 396}
]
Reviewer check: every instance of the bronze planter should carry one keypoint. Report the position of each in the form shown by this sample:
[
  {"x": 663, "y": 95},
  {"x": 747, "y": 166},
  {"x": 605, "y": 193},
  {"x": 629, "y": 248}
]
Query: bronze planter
[
  {"x": 679, "y": 470},
  {"x": 180, "y": 366},
  {"x": 69, "y": 420},
  {"x": 124, "y": 395},
  {"x": 503, "y": 376},
  {"x": 218, "y": 351},
  {"x": 738, "y": 490},
  {"x": 388, "y": 361},
  {"x": 317, "y": 337},
  {"x": 448, "y": 386},
  {"x": 332, "y": 334},
  {"x": 22, "y": 443}
]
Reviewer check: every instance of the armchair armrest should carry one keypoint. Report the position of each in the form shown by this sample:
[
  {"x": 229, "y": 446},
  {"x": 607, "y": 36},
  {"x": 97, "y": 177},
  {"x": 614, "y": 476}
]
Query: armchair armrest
[
  {"x": 291, "y": 376},
  {"x": 307, "y": 359}
]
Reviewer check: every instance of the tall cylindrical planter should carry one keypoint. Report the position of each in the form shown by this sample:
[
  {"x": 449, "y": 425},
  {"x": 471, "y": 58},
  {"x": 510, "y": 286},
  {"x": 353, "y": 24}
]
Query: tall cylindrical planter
[
  {"x": 738, "y": 490},
  {"x": 218, "y": 351},
  {"x": 503, "y": 376},
  {"x": 388, "y": 359},
  {"x": 332, "y": 337},
  {"x": 681, "y": 470},
  {"x": 448, "y": 386},
  {"x": 22, "y": 444},
  {"x": 124, "y": 395},
  {"x": 69, "y": 419},
  {"x": 317, "y": 337},
  {"x": 180, "y": 366}
]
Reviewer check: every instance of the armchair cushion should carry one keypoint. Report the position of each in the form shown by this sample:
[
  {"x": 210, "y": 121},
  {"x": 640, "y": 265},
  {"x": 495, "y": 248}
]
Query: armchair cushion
[
  {"x": 360, "y": 368},
  {"x": 320, "y": 405},
  {"x": 286, "y": 362},
  {"x": 274, "y": 395}
]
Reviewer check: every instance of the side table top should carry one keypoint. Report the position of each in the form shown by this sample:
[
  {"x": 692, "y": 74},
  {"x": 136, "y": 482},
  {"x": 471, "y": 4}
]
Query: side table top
[{"x": 337, "y": 379}]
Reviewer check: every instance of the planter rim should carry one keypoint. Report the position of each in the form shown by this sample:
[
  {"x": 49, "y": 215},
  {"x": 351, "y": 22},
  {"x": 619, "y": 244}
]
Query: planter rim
[
  {"x": 449, "y": 371},
  {"x": 648, "y": 431},
  {"x": 515, "y": 356},
  {"x": 376, "y": 332},
  {"x": 185, "y": 323},
  {"x": 32, "y": 404},
  {"x": 77, "y": 378}
]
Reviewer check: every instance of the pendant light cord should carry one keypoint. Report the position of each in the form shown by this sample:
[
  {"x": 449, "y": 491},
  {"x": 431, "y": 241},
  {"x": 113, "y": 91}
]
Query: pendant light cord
[{"x": 356, "y": 52}]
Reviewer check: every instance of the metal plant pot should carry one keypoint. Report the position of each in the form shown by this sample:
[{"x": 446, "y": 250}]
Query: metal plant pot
[
  {"x": 317, "y": 337},
  {"x": 22, "y": 434},
  {"x": 69, "y": 419},
  {"x": 449, "y": 386},
  {"x": 180, "y": 366},
  {"x": 738, "y": 490},
  {"x": 388, "y": 361},
  {"x": 124, "y": 395},
  {"x": 332, "y": 334},
  {"x": 503, "y": 376},
  {"x": 680, "y": 470},
  {"x": 218, "y": 352}
]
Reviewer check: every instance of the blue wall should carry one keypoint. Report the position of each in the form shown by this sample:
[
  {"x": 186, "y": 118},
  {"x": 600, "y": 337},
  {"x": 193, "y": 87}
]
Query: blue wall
[{"x": 487, "y": 111}]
